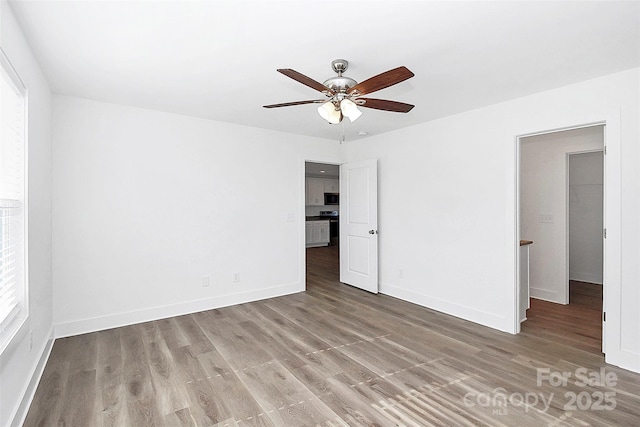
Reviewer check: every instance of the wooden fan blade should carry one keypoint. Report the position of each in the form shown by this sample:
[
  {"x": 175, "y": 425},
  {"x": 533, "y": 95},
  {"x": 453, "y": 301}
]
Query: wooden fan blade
[
  {"x": 383, "y": 104},
  {"x": 288, "y": 104},
  {"x": 381, "y": 81},
  {"x": 307, "y": 81}
]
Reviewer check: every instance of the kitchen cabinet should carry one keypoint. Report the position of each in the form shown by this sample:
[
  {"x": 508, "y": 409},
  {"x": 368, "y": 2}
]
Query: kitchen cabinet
[
  {"x": 308, "y": 232},
  {"x": 317, "y": 233},
  {"x": 323, "y": 232},
  {"x": 314, "y": 192},
  {"x": 316, "y": 187},
  {"x": 331, "y": 186}
]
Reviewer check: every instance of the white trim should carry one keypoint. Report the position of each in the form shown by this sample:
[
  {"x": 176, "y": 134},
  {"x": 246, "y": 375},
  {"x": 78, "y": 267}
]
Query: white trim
[
  {"x": 28, "y": 393},
  {"x": 15, "y": 325},
  {"x": 565, "y": 267},
  {"x": 13, "y": 74},
  {"x": 471, "y": 314},
  {"x": 515, "y": 231},
  {"x": 579, "y": 276},
  {"x": 545, "y": 295},
  {"x": 564, "y": 129},
  {"x": 100, "y": 323}
]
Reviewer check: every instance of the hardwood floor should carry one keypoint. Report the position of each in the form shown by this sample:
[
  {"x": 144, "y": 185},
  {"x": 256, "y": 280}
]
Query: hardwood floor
[
  {"x": 330, "y": 356},
  {"x": 578, "y": 324}
]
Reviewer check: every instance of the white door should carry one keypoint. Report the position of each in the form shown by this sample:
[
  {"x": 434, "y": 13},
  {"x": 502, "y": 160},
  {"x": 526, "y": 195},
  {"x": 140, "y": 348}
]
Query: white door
[{"x": 359, "y": 224}]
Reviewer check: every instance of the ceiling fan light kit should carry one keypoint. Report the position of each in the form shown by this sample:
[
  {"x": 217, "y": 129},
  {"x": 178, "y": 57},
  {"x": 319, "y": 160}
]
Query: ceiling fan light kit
[
  {"x": 350, "y": 109},
  {"x": 343, "y": 94},
  {"x": 330, "y": 113}
]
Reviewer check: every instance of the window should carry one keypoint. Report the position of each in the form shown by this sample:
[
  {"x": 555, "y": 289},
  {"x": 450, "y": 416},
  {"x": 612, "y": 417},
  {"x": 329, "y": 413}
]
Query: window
[{"x": 13, "y": 200}]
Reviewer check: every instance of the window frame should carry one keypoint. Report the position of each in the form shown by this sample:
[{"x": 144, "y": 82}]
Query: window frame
[{"x": 16, "y": 322}]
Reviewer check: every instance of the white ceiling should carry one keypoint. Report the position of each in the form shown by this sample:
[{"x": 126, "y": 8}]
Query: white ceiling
[
  {"x": 322, "y": 170},
  {"x": 218, "y": 59}
]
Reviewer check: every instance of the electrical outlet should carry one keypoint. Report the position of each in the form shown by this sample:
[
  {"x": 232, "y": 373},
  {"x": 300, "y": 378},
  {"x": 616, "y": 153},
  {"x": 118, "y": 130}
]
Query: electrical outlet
[
  {"x": 400, "y": 274},
  {"x": 205, "y": 281},
  {"x": 236, "y": 277}
]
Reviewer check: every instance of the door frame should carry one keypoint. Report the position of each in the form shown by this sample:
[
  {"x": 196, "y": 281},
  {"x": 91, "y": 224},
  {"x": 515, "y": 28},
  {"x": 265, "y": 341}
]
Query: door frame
[{"x": 611, "y": 219}]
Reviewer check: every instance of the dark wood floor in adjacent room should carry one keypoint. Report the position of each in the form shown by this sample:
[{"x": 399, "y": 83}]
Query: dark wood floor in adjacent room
[
  {"x": 330, "y": 356},
  {"x": 577, "y": 324}
]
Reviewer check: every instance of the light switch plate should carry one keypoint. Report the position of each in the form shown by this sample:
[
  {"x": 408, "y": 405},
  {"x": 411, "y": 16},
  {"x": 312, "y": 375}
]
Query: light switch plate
[{"x": 545, "y": 218}]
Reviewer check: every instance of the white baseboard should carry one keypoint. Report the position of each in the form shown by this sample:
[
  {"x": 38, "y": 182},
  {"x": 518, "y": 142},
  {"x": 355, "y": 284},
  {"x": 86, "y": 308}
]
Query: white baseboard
[
  {"x": 625, "y": 359},
  {"x": 585, "y": 277},
  {"x": 154, "y": 313},
  {"x": 36, "y": 374},
  {"x": 484, "y": 318},
  {"x": 545, "y": 295}
]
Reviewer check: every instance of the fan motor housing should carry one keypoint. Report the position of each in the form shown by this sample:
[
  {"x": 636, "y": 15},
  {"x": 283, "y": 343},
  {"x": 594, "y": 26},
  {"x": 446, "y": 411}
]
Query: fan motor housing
[{"x": 340, "y": 83}]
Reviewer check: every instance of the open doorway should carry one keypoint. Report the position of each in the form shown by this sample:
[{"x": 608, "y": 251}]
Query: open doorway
[
  {"x": 322, "y": 222},
  {"x": 585, "y": 204},
  {"x": 564, "y": 305}
]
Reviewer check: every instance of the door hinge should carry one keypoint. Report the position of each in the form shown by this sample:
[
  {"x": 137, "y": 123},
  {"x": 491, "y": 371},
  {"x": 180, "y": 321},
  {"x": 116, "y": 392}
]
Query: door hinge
[
  {"x": 604, "y": 316},
  {"x": 604, "y": 232},
  {"x": 605, "y": 149}
]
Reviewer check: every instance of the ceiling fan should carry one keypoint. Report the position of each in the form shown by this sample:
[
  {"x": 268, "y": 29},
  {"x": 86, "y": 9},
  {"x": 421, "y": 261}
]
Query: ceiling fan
[{"x": 344, "y": 95}]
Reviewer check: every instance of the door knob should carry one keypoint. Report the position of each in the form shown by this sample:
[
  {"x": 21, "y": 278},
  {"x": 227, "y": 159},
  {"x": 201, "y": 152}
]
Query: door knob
[{"x": 372, "y": 231}]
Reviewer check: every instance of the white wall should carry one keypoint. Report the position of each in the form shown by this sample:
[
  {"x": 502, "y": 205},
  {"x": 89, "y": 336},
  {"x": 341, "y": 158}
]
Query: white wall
[
  {"x": 543, "y": 206},
  {"x": 586, "y": 185},
  {"x": 447, "y": 203},
  {"x": 147, "y": 203},
  {"x": 441, "y": 215},
  {"x": 20, "y": 365}
]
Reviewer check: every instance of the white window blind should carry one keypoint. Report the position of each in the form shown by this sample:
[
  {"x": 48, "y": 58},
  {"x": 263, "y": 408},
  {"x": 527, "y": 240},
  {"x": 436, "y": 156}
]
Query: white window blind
[{"x": 12, "y": 201}]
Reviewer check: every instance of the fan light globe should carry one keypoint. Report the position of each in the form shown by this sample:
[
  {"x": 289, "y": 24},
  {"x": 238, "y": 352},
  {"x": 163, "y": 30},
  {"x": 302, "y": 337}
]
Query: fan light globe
[
  {"x": 328, "y": 112},
  {"x": 350, "y": 109}
]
